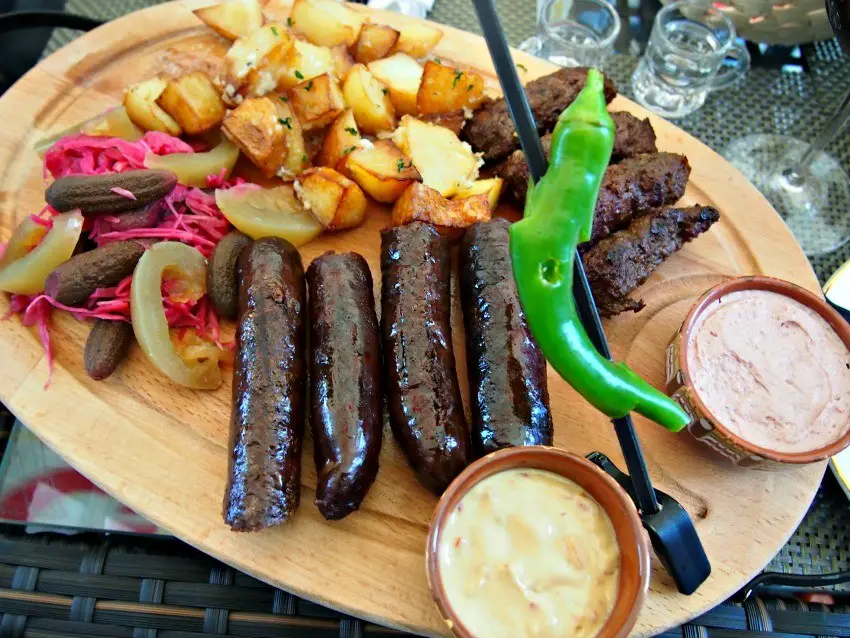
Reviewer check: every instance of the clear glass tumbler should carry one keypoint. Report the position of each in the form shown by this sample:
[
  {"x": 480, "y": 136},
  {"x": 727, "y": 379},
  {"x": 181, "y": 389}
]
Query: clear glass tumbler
[
  {"x": 574, "y": 32},
  {"x": 684, "y": 58}
]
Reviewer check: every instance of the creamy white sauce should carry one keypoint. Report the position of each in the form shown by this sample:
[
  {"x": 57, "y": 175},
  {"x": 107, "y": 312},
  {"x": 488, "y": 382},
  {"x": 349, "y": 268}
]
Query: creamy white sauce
[{"x": 529, "y": 553}]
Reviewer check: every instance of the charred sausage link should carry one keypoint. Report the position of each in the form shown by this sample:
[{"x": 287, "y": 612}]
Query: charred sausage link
[
  {"x": 423, "y": 396},
  {"x": 269, "y": 371},
  {"x": 507, "y": 371},
  {"x": 346, "y": 407}
]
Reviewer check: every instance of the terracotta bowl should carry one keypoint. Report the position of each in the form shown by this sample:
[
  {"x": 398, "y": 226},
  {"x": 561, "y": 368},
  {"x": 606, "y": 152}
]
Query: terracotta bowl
[
  {"x": 704, "y": 426},
  {"x": 631, "y": 538}
]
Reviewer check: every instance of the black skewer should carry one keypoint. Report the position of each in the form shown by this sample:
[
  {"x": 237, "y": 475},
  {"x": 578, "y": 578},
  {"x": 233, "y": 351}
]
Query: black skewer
[
  {"x": 670, "y": 529},
  {"x": 537, "y": 165}
]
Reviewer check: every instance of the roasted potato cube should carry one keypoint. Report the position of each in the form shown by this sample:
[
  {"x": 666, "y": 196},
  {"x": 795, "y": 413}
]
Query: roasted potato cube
[
  {"x": 445, "y": 88},
  {"x": 342, "y": 137},
  {"x": 333, "y": 199},
  {"x": 326, "y": 22},
  {"x": 342, "y": 61},
  {"x": 140, "y": 103},
  {"x": 380, "y": 169},
  {"x": 253, "y": 62},
  {"x": 193, "y": 102},
  {"x": 492, "y": 188},
  {"x": 416, "y": 39},
  {"x": 267, "y": 131},
  {"x": 402, "y": 75},
  {"x": 445, "y": 163},
  {"x": 370, "y": 101},
  {"x": 234, "y": 19},
  {"x": 303, "y": 62},
  {"x": 375, "y": 42},
  {"x": 317, "y": 102},
  {"x": 424, "y": 204}
]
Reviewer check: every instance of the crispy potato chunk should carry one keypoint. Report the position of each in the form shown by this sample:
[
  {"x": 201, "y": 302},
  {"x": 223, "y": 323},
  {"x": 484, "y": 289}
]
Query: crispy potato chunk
[
  {"x": 492, "y": 188},
  {"x": 380, "y": 169},
  {"x": 342, "y": 137},
  {"x": 303, "y": 62},
  {"x": 416, "y": 39},
  {"x": 375, "y": 42},
  {"x": 193, "y": 102},
  {"x": 268, "y": 132},
  {"x": 333, "y": 199},
  {"x": 444, "y": 89},
  {"x": 370, "y": 101},
  {"x": 342, "y": 61},
  {"x": 326, "y": 22},
  {"x": 402, "y": 76},
  {"x": 445, "y": 163},
  {"x": 424, "y": 204},
  {"x": 317, "y": 102},
  {"x": 253, "y": 62},
  {"x": 140, "y": 103},
  {"x": 234, "y": 19}
]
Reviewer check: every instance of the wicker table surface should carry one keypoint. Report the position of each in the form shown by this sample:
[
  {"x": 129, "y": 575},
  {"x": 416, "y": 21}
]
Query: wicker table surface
[{"x": 796, "y": 100}]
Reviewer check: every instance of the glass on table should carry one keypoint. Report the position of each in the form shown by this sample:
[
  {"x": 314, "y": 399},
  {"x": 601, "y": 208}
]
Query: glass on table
[
  {"x": 808, "y": 187},
  {"x": 684, "y": 59},
  {"x": 574, "y": 32}
]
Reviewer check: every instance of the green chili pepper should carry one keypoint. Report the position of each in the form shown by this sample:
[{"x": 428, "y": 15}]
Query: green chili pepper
[{"x": 558, "y": 216}]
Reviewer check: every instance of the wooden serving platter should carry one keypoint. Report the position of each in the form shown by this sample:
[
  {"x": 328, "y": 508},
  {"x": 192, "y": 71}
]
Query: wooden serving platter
[{"x": 161, "y": 449}]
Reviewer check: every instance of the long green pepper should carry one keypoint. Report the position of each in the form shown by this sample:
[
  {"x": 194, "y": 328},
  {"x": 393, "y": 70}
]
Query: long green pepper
[{"x": 558, "y": 216}]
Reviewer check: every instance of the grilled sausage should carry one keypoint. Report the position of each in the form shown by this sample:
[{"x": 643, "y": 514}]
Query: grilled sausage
[
  {"x": 507, "y": 371},
  {"x": 267, "y": 422},
  {"x": 346, "y": 409},
  {"x": 74, "y": 281},
  {"x": 426, "y": 413}
]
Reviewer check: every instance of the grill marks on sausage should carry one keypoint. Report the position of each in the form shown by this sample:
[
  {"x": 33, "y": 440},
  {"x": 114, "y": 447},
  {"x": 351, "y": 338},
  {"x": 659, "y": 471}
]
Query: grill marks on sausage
[
  {"x": 507, "y": 371},
  {"x": 345, "y": 381},
  {"x": 423, "y": 396},
  {"x": 268, "y": 387}
]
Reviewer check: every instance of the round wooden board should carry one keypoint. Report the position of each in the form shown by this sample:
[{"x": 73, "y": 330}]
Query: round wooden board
[{"x": 161, "y": 449}]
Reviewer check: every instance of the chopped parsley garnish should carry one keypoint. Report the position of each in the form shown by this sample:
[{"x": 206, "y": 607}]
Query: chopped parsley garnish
[
  {"x": 348, "y": 150},
  {"x": 458, "y": 76},
  {"x": 522, "y": 66},
  {"x": 299, "y": 75},
  {"x": 438, "y": 60},
  {"x": 274, "y": 30},
  {"x": 401, "y": 165},
  {"x": 285, "y": 121},
  {"x": 309, "y": 85},
  {"x": 351, "y": 131},
  {"x": 303, "y": 157},
  {"x": 283, "y": 98},
  {"x": 289, "y": 22},
  {"x": 469, "y": 88},
  {"x": 385, "y": 91}
]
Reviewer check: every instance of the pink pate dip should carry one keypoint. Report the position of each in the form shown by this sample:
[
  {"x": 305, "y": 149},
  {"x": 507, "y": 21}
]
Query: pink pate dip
[{"x": 771, "y": 370}]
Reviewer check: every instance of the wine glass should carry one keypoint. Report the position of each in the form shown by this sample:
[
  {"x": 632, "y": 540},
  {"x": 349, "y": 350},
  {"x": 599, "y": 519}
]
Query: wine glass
[{"x": 808, "y": 187}]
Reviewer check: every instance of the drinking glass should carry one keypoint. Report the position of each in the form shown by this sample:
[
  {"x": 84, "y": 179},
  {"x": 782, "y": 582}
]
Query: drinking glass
[
  {"x": 574, "y": 32},
  {"x": 684, "y": 58},
  {"x": 807, "y": 187}
]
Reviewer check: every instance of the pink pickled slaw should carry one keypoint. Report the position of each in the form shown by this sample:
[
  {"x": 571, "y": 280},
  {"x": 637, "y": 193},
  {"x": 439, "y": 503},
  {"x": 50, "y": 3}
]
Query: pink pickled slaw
[{"x": 188, "y": 215}]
